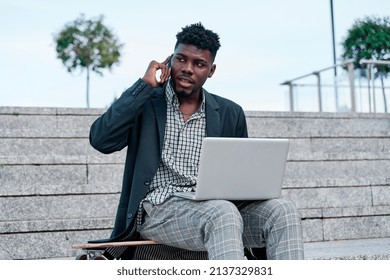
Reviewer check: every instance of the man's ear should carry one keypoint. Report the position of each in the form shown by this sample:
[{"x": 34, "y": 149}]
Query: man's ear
[{"x": 212, "y": 70}]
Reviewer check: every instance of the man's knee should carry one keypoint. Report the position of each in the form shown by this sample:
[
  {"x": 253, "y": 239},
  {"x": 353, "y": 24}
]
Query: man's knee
[
  {"x": 285, "y": 210},
  {"x": 224, "y": 213}
]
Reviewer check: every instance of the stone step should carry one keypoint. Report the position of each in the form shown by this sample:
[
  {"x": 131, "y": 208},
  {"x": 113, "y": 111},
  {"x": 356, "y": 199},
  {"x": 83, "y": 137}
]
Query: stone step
[
  {"x": 76, "y": 150},
  {"x": 58, "y": 207},
  {"x": 344, "y": 212},
  {"x": 89, "y": 220},
  {"x": 54, "y": 111},
  {"x": 346, "y": 228},
  {"x": 47, "y": 122},
  {"x": 17, "y": 212},
  {"x": 17, "y": 204},
  {"x": 332, "y": 170},
  {"x": 311, "y": 218},
  {"x": 357, "y": 249},
  {"x": 15, "y": 227},
  {"x": 28, "y": 176},
  {"x": 298, "y": 174},
  {"x": 338, "y": 197},
  {"x": 57, "y": 189},
  {"x": 332, "y": 149},
  {"x": 329, "y": 189},
  {"x": 46, "y": 245},
  {"x": 53, "y": 151},
  {"x": 67, "y": 123},
  {"x": 291, "y": 125},
  {"x": 53, "y": 159}
]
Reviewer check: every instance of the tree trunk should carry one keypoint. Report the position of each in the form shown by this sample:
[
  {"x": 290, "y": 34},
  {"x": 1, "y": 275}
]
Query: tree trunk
[{"x": 87, "y": 87}]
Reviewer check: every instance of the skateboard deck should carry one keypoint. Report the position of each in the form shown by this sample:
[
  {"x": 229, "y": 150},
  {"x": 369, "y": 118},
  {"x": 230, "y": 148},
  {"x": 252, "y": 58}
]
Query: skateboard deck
[{"x": 113, "y": 244}]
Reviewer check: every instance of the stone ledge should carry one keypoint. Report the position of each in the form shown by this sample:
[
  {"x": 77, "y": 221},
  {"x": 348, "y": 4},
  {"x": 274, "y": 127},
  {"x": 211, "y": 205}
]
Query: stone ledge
[
  {"x": 249, "y": 113},
  {"x": 7, "y": 110},
  {"x": 44, "y": 133},
  {"x": 117, "y": 158},
  {"x": 330, "y": 197},
  {"x": 58, "y": 207},
  {"x": 56, "y": 150},
  {"x": 315, "y": 115},
  {"x": 344, "y": 212},
  {"x": 53, "y": 189},
  {"x": 299, "y": 183},
  {"x": 16, "y": 227},
  {"x": 94, "y": 170},
  {"x": 346, "y": 228}
]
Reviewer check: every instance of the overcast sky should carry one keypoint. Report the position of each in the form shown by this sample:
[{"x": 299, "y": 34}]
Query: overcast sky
[{"x": 263, "y": 42}]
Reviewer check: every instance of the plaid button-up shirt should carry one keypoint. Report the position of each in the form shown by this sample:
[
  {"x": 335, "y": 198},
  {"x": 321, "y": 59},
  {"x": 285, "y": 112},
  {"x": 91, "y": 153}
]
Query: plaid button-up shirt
[{"x": 178, "y": 169}]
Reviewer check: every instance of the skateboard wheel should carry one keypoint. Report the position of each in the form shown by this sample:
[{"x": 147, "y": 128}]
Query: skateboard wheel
[{"x": 82, "y": 257}]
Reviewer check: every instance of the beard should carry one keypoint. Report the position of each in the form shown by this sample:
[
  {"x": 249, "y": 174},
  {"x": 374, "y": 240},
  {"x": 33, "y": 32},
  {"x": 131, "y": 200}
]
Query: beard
[{"x": 182, "y": 93}]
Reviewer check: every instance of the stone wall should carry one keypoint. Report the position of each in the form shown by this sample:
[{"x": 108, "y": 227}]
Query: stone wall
[{"x": 55, "y": 190}]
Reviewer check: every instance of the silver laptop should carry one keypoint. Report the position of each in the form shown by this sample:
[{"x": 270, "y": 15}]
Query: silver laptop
[{"x": 240, "y": 169}]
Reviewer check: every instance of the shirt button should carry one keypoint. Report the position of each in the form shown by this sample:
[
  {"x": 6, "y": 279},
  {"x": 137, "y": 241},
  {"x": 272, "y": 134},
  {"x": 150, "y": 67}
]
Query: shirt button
[{"x": 147, "y": 182}]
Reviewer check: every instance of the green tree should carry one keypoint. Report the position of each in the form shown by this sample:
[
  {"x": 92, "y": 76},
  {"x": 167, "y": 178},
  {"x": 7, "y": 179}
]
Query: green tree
[
  {"x": 369, "y": 38},
  {"x": 87, "y": 44}
]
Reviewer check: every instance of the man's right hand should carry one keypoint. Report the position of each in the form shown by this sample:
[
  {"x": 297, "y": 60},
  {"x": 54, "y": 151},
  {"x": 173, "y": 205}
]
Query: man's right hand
[{"x": 154, "y": 66}]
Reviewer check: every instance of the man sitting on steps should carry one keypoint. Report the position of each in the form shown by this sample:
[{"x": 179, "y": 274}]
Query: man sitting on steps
[{"x": 162, "y": 123}]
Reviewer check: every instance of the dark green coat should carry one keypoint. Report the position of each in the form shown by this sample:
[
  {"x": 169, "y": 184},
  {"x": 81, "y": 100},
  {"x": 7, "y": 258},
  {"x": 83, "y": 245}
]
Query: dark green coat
[{"x": 137, "y": 121}]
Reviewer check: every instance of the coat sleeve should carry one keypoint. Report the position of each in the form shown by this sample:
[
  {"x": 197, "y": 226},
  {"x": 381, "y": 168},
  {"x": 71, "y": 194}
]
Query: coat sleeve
[{"x": 110, "y": 132}]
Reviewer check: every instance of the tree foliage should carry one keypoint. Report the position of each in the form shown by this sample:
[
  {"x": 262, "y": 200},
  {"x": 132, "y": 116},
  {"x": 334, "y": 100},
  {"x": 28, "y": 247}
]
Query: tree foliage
[
  {"x": 369, "y": 38},
  {"x": 87, "y": 44}
]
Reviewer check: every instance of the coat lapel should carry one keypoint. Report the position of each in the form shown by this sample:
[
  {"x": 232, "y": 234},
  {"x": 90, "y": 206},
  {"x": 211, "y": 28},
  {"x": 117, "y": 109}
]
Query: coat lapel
[
  {"x": 160, "y": 109},
  {"x": 213, "y": 119}
]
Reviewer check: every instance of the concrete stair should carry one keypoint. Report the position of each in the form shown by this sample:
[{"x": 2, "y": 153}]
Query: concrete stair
[{"x": 55, "y": 190}]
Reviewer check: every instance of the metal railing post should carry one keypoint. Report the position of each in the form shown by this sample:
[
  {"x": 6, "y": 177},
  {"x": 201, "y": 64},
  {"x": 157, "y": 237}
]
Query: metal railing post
[
  {"x": 319, "y": 90},
  {"x": 373, "y": 87},
  {"x": 350, "y": 67},
  {"x": 369, "y": 86},
  {"x": 291, "y": 92}
]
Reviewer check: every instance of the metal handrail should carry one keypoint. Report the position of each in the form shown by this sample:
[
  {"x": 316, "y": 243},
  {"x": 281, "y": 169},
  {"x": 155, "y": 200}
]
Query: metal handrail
[
  {"x": 348, "y": 63},
  {"x": 316, "y": 72},
  {"x": 350, "y": 68},
  {"x": 373, "y": 61}
]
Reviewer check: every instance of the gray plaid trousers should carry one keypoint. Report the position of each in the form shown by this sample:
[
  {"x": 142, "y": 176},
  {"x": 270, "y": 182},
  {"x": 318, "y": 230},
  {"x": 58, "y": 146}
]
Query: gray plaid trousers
[{"x": 223, "y": 229}]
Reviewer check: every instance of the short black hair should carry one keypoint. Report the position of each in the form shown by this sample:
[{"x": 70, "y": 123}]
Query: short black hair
[{"x": 195, "y": 34}]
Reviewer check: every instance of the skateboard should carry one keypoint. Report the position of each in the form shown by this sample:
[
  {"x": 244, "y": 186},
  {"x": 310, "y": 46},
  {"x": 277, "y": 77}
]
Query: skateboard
[{"x": 95, "y": 251}]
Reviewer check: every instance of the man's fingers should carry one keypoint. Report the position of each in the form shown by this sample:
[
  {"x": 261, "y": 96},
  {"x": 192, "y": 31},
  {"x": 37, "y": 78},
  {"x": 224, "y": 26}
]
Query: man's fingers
[
  {"x": 157, "y": 72},
  {"x": 165, "y": 71}
]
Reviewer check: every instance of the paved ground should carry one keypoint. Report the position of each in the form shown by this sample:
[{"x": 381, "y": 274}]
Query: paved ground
[{"x": 361, "y": 249}]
